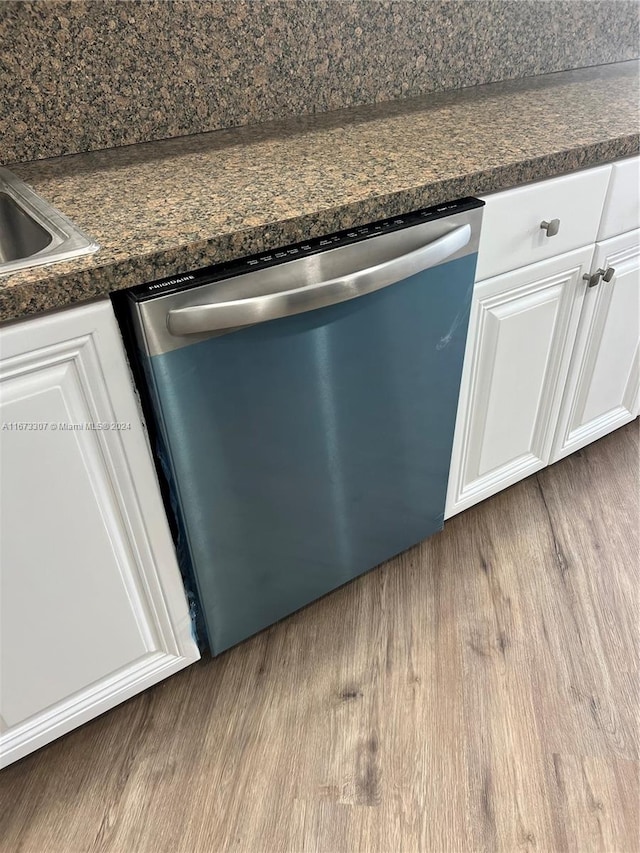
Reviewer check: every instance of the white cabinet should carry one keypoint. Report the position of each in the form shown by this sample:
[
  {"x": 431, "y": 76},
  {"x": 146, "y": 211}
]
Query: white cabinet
[
  {"x": 92, "y": 604},
  {"x": 602, "y": 387},
  {"x": 521, "y": 332},
  {"x": 551, "y": 364},
  {"x": 622, "y": 205},
  {"x": 512, "y": 236}
]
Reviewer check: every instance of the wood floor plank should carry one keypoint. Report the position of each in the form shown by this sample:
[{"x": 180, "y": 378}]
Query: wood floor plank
[
  {"x": 477, "y": 694},
  {"x": 506, "y": 797},
  {"x": 597, "y": 803}
]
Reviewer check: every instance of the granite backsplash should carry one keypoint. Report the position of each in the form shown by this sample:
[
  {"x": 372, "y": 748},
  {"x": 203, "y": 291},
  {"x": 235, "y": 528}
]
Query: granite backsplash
[{"x": 80, "y": 76}]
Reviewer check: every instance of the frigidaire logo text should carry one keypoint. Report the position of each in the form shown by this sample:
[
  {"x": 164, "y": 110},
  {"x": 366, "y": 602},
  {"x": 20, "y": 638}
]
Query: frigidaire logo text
[{"x": 171, "y": 281}]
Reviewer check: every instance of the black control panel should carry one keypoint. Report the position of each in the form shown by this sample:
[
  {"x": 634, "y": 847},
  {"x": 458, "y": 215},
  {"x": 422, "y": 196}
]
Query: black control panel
[{"x": 206, "y": 275}]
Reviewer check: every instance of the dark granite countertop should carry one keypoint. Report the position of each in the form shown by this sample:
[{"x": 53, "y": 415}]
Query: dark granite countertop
[{"x": 162, "y": 208}]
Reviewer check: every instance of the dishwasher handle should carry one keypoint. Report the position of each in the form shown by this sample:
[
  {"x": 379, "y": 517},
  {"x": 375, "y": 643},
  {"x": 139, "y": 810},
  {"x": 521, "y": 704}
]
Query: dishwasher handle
[{"x": 198, "y": 319}]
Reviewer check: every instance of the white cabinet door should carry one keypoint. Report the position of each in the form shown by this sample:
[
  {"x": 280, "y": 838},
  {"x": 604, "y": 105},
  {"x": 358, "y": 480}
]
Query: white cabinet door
[
  {"x": 92, "y": 605},
  {"x": 602, "y": 388},
  {"x": 521, "y": 334}
]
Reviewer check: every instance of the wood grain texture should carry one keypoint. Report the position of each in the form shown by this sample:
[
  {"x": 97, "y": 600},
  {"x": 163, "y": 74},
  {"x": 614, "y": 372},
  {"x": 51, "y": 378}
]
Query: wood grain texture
[{"x": 477, "y": 693}]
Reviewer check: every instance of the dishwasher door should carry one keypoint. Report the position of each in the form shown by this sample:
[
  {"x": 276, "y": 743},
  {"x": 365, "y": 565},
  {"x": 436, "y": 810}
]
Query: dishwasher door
[{"x": 306, "y": 449}]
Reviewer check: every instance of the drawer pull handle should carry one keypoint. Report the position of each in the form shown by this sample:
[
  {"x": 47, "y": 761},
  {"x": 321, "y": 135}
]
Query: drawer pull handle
[{"x": 551, "y": 228}]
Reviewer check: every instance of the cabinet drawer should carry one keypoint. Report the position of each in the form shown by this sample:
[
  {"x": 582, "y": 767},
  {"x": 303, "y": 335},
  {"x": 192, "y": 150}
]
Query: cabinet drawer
[
  {"x": 622, "y": 205},
  {"x": 511, "y": 234}
]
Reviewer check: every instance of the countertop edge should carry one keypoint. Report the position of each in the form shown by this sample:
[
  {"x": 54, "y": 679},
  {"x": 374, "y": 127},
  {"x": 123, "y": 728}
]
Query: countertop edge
[{"x": 25, "y": 300}]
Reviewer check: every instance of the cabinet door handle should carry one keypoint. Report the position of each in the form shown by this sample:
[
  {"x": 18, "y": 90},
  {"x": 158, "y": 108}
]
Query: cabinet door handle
[
  {"x": 594, "y": 278},
  {"x": 551, "y": 228}
]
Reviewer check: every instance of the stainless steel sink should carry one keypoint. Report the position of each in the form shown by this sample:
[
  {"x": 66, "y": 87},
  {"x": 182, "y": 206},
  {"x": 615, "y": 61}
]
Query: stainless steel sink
[{"x": 32, "y": 232}]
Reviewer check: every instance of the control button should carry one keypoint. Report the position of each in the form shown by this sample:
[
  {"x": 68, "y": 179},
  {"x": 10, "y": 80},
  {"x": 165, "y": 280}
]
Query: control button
[
  {"x": 306, "y": 247},
  {"x": 280, "y": 254},
  {"x": 292, "y": 251},
  {"x": 252, "y": 263}
]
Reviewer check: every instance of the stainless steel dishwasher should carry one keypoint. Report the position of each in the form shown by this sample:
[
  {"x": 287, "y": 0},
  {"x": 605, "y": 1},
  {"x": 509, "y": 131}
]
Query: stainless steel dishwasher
[{"x": 305, "y": 403}]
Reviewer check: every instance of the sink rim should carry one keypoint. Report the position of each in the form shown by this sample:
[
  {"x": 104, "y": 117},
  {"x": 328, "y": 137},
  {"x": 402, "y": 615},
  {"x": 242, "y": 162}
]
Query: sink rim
[{"x": 67, "y": 240}]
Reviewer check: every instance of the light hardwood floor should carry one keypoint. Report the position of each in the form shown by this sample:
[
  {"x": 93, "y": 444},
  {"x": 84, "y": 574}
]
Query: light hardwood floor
[{"x": 477, "y": 693}]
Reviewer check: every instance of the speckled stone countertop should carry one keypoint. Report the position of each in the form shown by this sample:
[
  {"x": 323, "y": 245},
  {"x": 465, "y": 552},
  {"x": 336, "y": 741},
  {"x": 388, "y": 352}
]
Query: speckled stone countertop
[{"x": 162, "y": 208}]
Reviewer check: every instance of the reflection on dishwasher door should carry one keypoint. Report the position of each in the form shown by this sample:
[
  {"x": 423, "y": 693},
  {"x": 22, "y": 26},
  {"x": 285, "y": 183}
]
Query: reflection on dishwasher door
[{"x": 305, "y": 404}]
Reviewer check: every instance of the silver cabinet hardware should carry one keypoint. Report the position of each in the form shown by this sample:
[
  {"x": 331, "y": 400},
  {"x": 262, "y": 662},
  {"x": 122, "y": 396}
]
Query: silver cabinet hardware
[
  {"x": 551, "y": 228},
  {"x": 594, "y": 278}
]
